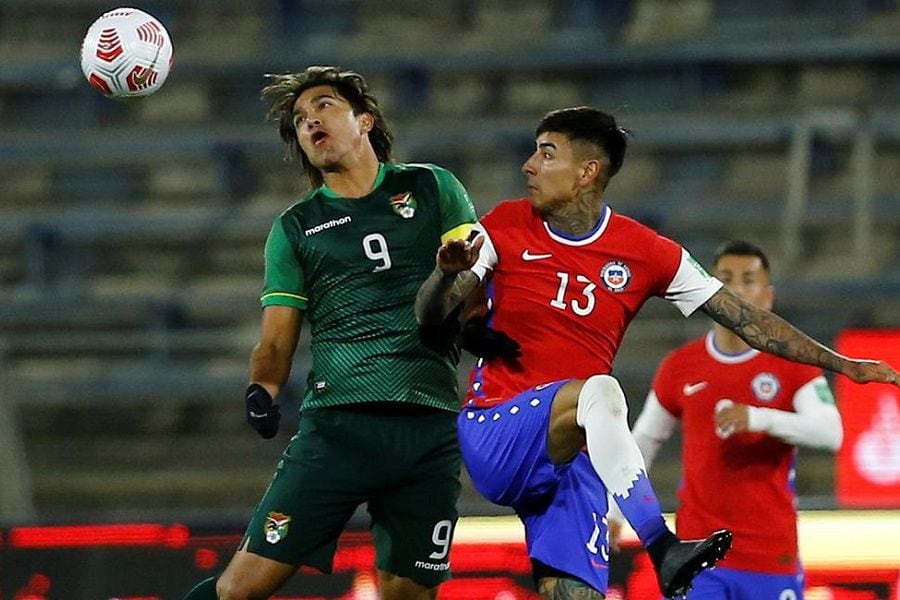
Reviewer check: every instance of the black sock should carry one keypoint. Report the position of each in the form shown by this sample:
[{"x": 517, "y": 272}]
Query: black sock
[{"x": 657, "y": 550}]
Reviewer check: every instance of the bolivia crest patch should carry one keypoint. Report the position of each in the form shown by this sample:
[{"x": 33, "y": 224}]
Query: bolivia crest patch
[
  {"x": 404, "y": 205},
  {"x": 276, "y": 527}
]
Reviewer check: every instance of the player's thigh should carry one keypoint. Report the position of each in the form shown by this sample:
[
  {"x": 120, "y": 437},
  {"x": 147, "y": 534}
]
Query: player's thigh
[
  {"x": 414, "y": 514},
  {"x": 249, "y": 576},
  {"x": 565, "y": 437},
  {"x": 505, "y": 446},
  {"x": 568, "y": 534},
  {"x": 319, "y": 482}
]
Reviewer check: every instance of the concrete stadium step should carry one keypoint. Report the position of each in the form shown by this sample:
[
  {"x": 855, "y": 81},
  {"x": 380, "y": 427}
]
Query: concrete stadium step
[
  {"x": 93, "y": 492},
  {"x": 241, "y": 449}
]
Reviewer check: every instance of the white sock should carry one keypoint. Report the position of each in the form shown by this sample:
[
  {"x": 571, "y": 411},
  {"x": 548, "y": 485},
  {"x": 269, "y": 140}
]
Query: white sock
[{"x": 615, "y": 456}]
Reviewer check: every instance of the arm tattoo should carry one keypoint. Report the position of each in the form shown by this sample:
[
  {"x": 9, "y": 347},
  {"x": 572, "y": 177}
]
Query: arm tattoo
[
  {"x": 440, "y": 294},
  {"x": 768, "y": 332},
  {"x": 565, "y": 588}
]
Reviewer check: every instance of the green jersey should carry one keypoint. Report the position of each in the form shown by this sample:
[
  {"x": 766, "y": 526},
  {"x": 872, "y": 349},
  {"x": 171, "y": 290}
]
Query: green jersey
[{"x": 354, "y": 266}]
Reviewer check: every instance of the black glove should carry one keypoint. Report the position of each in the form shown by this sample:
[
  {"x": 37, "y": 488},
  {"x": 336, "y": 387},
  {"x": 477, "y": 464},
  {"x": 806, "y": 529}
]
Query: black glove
[
  {"x": 484, "y": 342},
  {"x": 262, "y": 414}
]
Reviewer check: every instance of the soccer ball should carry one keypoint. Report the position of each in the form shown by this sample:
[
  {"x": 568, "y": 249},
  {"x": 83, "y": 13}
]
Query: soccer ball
[{"x": 126, "y": 53}]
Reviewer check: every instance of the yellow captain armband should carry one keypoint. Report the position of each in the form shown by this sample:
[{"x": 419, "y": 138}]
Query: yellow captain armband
[{"x": 459, "y": 232}]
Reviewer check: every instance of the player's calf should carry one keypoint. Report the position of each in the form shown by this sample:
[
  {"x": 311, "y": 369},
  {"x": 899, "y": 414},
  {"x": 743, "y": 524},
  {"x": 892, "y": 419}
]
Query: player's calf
[
  {"x": 566, "y": 588},
  {"x": 553, "y": 584}
]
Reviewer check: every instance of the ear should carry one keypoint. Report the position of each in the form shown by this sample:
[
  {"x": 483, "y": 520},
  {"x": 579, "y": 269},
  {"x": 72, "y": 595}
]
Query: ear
[
  {"x": 591, "y": 170},
  {"x": 366, "y": 122}
]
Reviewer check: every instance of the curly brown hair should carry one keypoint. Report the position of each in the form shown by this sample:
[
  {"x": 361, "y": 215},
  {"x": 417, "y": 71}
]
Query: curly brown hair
[{"x": 283, "y": 90}]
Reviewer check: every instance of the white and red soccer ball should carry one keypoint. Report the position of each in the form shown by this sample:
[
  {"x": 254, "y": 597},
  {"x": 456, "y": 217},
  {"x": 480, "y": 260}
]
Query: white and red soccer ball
[{"x": 126, "y": 53}]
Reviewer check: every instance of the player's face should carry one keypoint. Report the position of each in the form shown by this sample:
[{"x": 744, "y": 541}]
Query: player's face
[
  {"x": 746, "y": 277},
  {"x": 328, "y": 131},
  {"x": 552, "y": 173}
]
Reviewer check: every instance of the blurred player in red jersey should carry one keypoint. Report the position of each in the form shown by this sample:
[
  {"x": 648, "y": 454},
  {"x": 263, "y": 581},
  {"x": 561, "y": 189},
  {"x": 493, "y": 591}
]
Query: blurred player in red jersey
[
  {"x": 566, "y": 275},
  {"x": 743, "y": 413}
]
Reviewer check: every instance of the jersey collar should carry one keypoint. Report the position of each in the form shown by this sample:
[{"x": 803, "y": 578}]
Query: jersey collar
[
  {"x": 725, "y": 357},
  {"x": 591, "y": 236},
  {"x": 327, "y": 191}
]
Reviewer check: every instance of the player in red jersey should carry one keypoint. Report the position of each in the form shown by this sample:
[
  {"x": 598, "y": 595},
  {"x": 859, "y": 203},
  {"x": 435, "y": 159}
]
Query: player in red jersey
[
  {"x": 743, "y": 413},
  {"x": 566, "y": 275}
]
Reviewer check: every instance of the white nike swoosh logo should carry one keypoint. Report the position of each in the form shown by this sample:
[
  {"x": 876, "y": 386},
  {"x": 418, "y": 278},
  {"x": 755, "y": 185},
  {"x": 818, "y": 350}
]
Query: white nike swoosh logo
[
  {"x": 526, "y": 255},
  {"x": 690, "y": 389}
]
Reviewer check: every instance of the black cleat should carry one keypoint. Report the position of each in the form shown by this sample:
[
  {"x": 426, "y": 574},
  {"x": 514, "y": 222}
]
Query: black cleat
[{"x": 682, "y": 560}]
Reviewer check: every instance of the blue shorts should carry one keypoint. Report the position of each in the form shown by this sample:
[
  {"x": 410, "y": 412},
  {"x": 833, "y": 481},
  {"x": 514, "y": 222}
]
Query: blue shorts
[
  {"x": 563, "y": 507},
  {"x": 732, "y": 584}
]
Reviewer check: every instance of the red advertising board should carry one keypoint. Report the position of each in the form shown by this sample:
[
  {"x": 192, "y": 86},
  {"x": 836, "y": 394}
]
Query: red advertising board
[
  {"x": 868, "y": 463},
  {"x": 848, "y": 555}
]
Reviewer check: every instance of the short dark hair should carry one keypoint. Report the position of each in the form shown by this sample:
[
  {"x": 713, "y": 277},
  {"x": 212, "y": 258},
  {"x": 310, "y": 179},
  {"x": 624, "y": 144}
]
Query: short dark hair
[
  {"x": 741, "y": 248},
  {"x": 590, "y": 125},
  {"x": 283, "y": 90}
]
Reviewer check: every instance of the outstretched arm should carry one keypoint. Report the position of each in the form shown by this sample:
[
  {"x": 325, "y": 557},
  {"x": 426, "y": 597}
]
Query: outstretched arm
[
  {"x": 449, "y": 283},
  {"x": 768, "y": 332}
]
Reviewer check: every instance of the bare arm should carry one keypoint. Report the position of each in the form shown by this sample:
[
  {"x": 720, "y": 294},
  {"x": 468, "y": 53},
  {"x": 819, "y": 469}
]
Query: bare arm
[
  {"x": 768, "y": 332},
  {"x": 449, "y": 283},
  {"x": 271, "y": 359}
]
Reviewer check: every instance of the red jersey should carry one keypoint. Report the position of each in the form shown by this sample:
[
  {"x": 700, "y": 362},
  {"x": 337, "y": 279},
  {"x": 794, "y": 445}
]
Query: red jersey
[
  {"x": 744, "y": 482},
  {"x": 568, "y": 301}
]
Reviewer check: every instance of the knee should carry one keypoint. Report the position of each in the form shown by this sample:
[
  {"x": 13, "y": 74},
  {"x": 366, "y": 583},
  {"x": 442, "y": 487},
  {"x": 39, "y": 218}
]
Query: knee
[
  {"x": 604, "y": 394},
  {"x": 394, "y": 587},
  {"x": 229, "y": 588}
]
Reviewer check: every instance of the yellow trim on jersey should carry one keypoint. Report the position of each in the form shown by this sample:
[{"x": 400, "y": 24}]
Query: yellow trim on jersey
[
  {"x": 269, "y": 295},
  {"x": 460, "y": 232}
]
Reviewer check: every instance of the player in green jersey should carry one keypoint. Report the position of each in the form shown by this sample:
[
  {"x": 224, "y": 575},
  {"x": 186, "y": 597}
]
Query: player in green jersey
[{"x": 379, "y": 409}]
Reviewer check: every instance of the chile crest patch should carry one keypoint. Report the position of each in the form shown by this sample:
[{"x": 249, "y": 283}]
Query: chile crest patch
[
  {"x": 765, "y": 386},
  {"x": 615, "y": 276}
]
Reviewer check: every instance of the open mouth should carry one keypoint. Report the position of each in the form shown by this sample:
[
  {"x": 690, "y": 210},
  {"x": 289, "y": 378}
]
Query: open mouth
[{"x": 318, "y": 136}]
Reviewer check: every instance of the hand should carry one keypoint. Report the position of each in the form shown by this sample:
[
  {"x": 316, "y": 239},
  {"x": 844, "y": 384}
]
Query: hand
[
  {"x": 487, "y": 343},
  {"x": 458, "y": 255},
  {"x": 731, "y": 418},
  {"x": 871, "y": 371},
  {"x": 262, "y": 414}
]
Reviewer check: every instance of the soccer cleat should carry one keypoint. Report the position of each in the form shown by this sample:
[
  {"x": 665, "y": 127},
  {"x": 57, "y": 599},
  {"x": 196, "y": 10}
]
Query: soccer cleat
[{"x": 682, "y": 560}]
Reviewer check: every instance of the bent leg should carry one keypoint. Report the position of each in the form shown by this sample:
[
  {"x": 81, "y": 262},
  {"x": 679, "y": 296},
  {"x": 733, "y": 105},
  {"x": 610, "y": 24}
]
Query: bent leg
[
  {"x": 394, "y": 587},
  {"x": 252, "y": 577},
  {"x": 594, "y": 413},
  {"x": 601, "y": 411}
]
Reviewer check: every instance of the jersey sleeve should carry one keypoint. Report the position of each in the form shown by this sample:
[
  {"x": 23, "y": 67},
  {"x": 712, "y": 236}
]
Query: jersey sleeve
[
  {"x": 494, "y": 221},
  {"x": 284, "y": 283},
  {"x": 654, "y": 426},
  {"x": 691, "y": 286},
  {"x": 487, "y": 257},
  {"x": 457, "y": 210},
  {"x": 664, "y": 389},
  {"x": 814, "y": 422}
]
